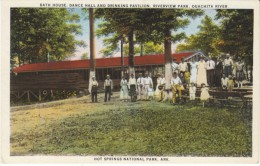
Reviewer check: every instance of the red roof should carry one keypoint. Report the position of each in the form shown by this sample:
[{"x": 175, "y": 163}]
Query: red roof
[{"x": 100, "y": 63}]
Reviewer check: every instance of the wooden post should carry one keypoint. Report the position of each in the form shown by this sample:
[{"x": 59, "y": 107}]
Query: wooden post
[
  {"x": 51, "y": 94},
  {"x": 28, "y": 96},
  {"x": 40, "y": 95}
]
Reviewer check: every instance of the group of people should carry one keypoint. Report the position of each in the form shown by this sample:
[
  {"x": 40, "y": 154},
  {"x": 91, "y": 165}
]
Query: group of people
[
  {"x": 186, "y": 75},
  {"x": 143, "y": 86},
  {"x": 212, "y": 73},
  {"x": 108, "y": 87},
  {"x": 139, "y": 89},
  {"x": 177, "y": 86}
]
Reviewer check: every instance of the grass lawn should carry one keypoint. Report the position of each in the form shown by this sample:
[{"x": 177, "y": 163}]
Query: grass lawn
[{"x": 123, "y": 128}]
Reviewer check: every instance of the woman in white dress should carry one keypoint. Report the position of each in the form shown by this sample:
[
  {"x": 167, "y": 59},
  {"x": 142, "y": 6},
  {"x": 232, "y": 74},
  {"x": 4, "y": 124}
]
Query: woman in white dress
[
  {"x": 202, "y": 73},
  {"x": 124, "y": 89},
  {"x": 193, "y": 71}
]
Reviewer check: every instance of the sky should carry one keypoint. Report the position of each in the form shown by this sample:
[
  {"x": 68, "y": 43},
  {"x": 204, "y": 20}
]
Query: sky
[{"x": 192, "y": 28}]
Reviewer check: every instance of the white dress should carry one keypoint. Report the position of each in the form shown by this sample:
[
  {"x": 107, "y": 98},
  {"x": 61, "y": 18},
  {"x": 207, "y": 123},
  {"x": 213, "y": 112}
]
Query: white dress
[
  {"x": 204, "y": 94},
  {"x": 192, "y": 92},
  {"x": 124, "y": 89},
  {"x": 202, "y": 73},
  {"x": 193, "y": 72}
]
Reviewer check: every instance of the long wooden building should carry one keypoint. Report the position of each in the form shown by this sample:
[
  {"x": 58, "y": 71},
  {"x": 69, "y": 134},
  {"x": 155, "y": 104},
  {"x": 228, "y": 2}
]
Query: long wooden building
[{"x": 74, "y": 75}]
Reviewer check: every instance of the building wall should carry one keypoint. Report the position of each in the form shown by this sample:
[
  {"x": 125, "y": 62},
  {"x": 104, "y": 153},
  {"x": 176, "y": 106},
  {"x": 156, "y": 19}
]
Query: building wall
[{"x": 74, "y": 79}]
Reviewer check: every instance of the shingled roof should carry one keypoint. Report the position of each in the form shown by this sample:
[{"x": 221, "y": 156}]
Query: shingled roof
[{"x": 157, "y": 59}]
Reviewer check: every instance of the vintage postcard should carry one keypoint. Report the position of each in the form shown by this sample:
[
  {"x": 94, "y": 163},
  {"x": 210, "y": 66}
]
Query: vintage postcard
[{"x": 130, "y": 82}]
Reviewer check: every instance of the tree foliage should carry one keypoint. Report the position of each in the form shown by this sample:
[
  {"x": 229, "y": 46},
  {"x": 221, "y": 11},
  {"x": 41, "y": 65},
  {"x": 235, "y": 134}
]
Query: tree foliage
[
  {"x": 119, "y": 23},
  {"x": 149, "y": 48},
  {"x": 237, "y": 33},
  {"x": 84, "y": 56},
  {"x": 37, "y": 32},
  {"x": 149, "y": 25},
  {"x": 205, "y": 40}
]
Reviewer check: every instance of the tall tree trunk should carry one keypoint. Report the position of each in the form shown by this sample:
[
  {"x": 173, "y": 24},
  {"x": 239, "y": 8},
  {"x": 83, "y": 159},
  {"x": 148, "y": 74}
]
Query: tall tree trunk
[
  {"x": 92, "y": 47},
  {"x": 131, "y": 52},
  {"x": 122, "y": 57},
  {"x": 19, "y": 60},
  {"x": 142, "y": 49},
  {"x": 168, "y": 59}
]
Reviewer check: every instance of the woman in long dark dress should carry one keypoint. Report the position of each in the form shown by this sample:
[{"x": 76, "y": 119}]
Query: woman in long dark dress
[{"x": 218, "y": 72}]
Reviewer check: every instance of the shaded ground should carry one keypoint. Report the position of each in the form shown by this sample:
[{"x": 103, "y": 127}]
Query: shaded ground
[{"x": 78, "y": 127}]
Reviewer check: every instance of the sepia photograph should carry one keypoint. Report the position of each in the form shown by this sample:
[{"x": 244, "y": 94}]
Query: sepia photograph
[{"x": 132, "y": 82}]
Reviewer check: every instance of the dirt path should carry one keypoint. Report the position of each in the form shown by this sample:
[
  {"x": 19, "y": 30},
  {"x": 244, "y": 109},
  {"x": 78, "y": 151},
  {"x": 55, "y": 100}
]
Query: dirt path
[
  {"x": 29, "y": 121},
  {"x": 84, "y": 99}
]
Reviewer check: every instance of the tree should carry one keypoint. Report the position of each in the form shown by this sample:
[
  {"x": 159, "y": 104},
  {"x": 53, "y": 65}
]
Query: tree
[
  {"x": 118, "y": 24},
  {"x": 205, "y": 40},
  {"x": 189, "y": 44},
  {"x": 237, "y": 34},
  {"x": 149, "y": 48},
  {"x": 84, "y": 56},
  {"x": 37, "y": 32},
  {"x": 153, "y": 25},
  {"x": 163, "y": 23},
  {"x": 92, "y": 47},
  {"x": 152, "y": 48}
]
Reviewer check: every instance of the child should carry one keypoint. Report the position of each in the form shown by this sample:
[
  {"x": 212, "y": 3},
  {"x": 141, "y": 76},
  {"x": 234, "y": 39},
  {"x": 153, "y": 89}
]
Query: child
[
  {"x": 204, "y": 96},
  {"x": 192, "y": 91},
  {"x": 230, "y": 83},
  {"x": 224, "y": 81}
]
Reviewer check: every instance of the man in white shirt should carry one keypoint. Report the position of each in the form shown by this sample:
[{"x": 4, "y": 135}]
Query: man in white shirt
[
  {"x": 210, "y": 66},
  {"x": 183, "y": 66},
  {"x": 175, "y": 66},
  {"x": 228, "y": 63},
  {"x": 108, "y": 86},
  {"x": 140, "y": 86},
  {"x": 148, "y": 82},
  {"x": 176, "y": 86},
  {"x": 132, "y": 86},
  {"x": 94, "y": 87}
]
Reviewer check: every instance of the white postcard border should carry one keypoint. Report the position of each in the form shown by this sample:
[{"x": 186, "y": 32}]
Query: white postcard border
[{"x": 5, "y": 83}]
